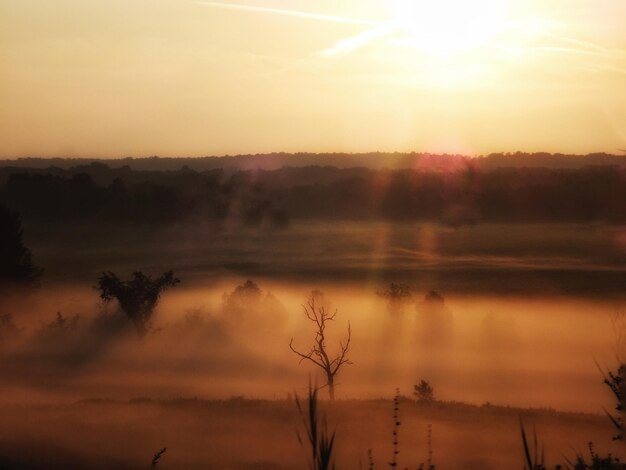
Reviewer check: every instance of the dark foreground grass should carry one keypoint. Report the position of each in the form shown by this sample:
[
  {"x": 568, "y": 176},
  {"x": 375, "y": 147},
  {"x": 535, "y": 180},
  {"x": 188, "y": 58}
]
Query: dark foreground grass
[{"x": 244, "y": 433}]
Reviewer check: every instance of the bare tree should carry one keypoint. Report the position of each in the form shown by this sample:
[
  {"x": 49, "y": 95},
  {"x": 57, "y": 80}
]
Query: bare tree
[{"x": 315, "y": 311}]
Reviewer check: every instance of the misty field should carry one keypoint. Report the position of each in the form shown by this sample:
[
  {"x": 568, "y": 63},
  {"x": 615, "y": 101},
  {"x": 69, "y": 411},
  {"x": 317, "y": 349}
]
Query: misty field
[
  {"x": 527, "y": 311},
  {"x": 574, "y": 259}
]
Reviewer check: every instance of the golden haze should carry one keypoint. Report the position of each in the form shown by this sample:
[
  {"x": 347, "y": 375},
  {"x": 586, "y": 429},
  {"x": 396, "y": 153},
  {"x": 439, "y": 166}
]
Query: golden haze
[{"x": 179, "y": 77}]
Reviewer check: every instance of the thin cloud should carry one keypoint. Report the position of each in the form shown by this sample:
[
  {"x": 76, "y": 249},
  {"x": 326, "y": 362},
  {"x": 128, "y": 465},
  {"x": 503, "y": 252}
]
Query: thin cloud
[
  {"x": 578, "y": 42},
  {"x": 382, "y": 29},
  {"x": 293, "y": 13},
  {"x": 570, "y": 50},
  {"x": 352, "y": 43}
]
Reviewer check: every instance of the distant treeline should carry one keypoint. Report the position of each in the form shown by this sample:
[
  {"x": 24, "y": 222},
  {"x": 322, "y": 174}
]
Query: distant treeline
[
  {"x": 454, "y": 194},
  {"x": 373, "y": 160}
]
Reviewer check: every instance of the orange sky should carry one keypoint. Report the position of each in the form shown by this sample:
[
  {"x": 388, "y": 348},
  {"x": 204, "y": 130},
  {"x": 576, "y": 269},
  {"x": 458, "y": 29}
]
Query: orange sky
[{"x": 178, "y": 77}]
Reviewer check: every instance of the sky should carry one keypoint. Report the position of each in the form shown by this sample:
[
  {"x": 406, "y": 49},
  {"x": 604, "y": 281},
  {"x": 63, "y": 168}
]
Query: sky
[{"x": 121, "y": 78}]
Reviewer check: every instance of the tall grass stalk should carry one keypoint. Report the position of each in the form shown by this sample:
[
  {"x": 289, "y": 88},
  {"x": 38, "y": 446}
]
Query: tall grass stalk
[
  {"x": 396, "y": 425},
  {"x": 320, "y": 441},
  {"x": 533, "y": 462}
]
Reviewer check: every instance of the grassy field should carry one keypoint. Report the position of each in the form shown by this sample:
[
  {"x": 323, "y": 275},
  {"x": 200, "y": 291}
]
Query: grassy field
[
  {"x": 486, "y": 259},
  {"x": 256, "y": 434}
]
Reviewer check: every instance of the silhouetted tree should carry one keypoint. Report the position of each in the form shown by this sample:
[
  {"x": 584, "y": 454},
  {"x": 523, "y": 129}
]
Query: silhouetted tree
[
  {"x": 434, "y": 317},
  {"x": 316, "y": 312},
  {"x": 424, "y": 392},
  {"x": 397, "y": 295},
  {"x": 244, "y": 295},
  {"x": 434, "y": 299},
  {"x": 137, "y": 297},
  {"x": 251, "y": 310},
  {"x": 16, "y": 261},
  {"x": 62, "y": 323},
  {"x": 8, "y": 328}
]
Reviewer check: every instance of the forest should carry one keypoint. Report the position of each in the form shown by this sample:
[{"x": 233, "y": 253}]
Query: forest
[{"x": 450, "y": 190}]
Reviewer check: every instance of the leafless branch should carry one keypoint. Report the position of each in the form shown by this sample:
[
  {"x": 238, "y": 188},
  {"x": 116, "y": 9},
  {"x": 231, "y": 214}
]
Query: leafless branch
[
  {"x": 318, "y": 354},
  {"x": 303, "y": 356}
]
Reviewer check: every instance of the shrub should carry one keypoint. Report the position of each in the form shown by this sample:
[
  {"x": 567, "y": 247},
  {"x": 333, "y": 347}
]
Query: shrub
[
  {"x": 424, "y": 392},
  {"x": 137, "y": 297}
]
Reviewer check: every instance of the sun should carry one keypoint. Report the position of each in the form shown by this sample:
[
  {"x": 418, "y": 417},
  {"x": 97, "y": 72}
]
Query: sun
[{"x": 444, "y": 28}]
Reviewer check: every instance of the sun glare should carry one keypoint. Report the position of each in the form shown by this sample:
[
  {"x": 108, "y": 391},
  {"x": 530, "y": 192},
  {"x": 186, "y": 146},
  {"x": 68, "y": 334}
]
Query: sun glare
[{"x": 444, "y": 28}]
